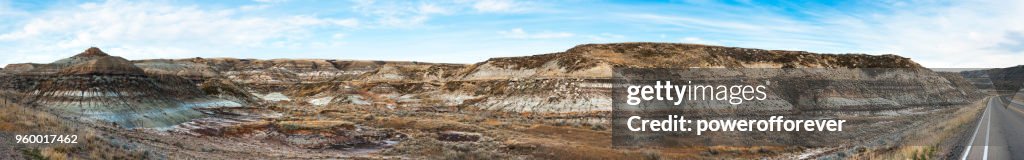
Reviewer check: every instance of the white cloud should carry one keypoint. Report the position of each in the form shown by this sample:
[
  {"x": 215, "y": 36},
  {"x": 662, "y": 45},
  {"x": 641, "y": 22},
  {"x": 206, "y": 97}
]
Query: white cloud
[
  {"x": 697, "y": 40},
  {"x": 416, "y": 13},
  {"x": 519, "y": 33},
  {"x": 348, "y": 22},
  {"x": 748, "y": 30},
  {"x": 1015, "y": 42},
  {"x": 953, "y": 34},
  {"x": 157, "y": 30},
  {"x": 494, "y": 5},
  {"x": 339, "y": 35},
  {"x": 7, "y": 11},
  {"x": 254, "y": 7},
  {"x": 432, "y": 9},
  {"x": 939, "y": 34},
  {"x": 935, "y": 34},
  {"x": 401, "y": 14},
  {"x": 261, "y": 4}
]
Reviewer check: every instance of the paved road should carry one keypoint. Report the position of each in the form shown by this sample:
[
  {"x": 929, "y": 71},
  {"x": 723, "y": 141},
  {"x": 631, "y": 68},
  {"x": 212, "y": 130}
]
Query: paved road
[{"x": 1000, "y": 133}]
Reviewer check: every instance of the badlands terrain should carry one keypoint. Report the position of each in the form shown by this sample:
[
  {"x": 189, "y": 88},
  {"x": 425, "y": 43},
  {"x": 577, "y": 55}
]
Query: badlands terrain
[{"x": 547, "y": 106}]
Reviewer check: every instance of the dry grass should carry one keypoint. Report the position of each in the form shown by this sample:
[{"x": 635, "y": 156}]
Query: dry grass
[
  {"x": 20, "y": 120},
  {"x": 926, "y": 143}
]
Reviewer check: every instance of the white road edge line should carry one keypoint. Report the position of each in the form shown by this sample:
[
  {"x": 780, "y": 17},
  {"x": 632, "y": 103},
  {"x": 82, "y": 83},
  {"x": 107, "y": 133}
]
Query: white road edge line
[
  {"x": 988, "y": 131},
  {"x": 969, "y": 144}
]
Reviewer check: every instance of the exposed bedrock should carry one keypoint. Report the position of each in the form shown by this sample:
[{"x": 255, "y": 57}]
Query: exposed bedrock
[
  {"x": 573, "y": 83},
  {"x": 111, "y": 89},
  {"x": 577, "y": 82}
]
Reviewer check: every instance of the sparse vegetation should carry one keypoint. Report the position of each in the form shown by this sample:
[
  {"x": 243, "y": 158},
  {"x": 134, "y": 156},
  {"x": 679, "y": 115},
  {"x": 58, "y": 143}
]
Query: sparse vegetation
[
  {"x": 17, "y": 119},
  {"x": 550, "y": 106}
]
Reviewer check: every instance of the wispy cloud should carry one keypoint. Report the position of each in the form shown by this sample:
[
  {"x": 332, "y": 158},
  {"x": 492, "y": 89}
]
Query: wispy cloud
[
  {"x": 401, "y": 14},
  {"x": 1014, "y": 42},
  {"x": 407, "y": 14},
  {"x": 936, "y": 34},
  {"x": 697, "y": 40},
  {"x": 151, "y": 30},
  {"x": 7, "y": 11},
  {"x": 933, "y": 33},
  {"x": 519, "y": 33},
  {"x": 497, "y": 6},
  {"x": 946, "y": 34}
]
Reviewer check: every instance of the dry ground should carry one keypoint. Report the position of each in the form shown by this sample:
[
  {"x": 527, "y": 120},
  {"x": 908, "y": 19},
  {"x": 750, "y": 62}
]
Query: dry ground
[{"x": 416, "y": 131}]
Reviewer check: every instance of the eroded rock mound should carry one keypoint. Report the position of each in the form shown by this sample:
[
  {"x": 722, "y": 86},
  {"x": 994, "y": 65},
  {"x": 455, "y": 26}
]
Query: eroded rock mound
[
  {"x": 113, "y": 89},
  {"x": 89, "y": 54},
  {"x": 103, "y": 65},
  {"x": 228, "y": 90}
]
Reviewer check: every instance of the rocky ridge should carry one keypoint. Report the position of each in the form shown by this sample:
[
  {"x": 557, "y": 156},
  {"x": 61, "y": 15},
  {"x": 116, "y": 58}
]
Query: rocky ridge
[
  {"x": 572, "y": 83},
  {"x": 542, "y": 106}
]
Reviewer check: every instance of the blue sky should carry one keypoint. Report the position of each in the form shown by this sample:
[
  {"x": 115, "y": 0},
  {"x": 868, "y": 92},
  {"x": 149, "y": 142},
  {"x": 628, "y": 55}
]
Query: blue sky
[{"x": 940, "y": 34}]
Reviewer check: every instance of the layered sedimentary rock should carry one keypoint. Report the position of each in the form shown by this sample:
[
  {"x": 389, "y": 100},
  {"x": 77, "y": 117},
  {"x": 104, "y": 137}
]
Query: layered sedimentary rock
[
  {"x": 597, "y": 60},
  {"x": 576, "y": 82},
  {"x": 267, "y": 80},
  {"x": 1004, "y": 79},
  {"x": 111, "y": 89},
  {"x": 228, "y": 90}
]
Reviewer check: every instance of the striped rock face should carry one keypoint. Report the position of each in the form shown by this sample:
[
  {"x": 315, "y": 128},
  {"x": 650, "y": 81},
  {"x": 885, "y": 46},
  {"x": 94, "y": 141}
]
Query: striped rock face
[
  {"x": 573, "y": 83},
  {"x": 114, "y": 90},
  {"x": 578, "y": 81}
]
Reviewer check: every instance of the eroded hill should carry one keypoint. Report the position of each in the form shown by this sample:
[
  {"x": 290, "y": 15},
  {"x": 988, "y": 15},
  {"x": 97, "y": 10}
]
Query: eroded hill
[
  {"x": 499, "y": 108},
  {"x": 112, "y": 89}
]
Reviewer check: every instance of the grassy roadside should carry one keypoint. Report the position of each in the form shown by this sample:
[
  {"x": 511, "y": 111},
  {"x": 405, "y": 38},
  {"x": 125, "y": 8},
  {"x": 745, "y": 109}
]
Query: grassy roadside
[{"x": 937, "y": 140}]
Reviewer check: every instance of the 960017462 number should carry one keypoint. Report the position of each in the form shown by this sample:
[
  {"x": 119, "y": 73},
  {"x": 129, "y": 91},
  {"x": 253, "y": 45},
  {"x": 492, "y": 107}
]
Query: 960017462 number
[{"x": 37, "y": 139}]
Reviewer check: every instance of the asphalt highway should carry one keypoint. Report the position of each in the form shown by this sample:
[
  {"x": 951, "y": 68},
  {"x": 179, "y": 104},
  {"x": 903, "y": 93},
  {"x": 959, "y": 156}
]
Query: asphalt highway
[{"x": 1000, "y": 132}]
